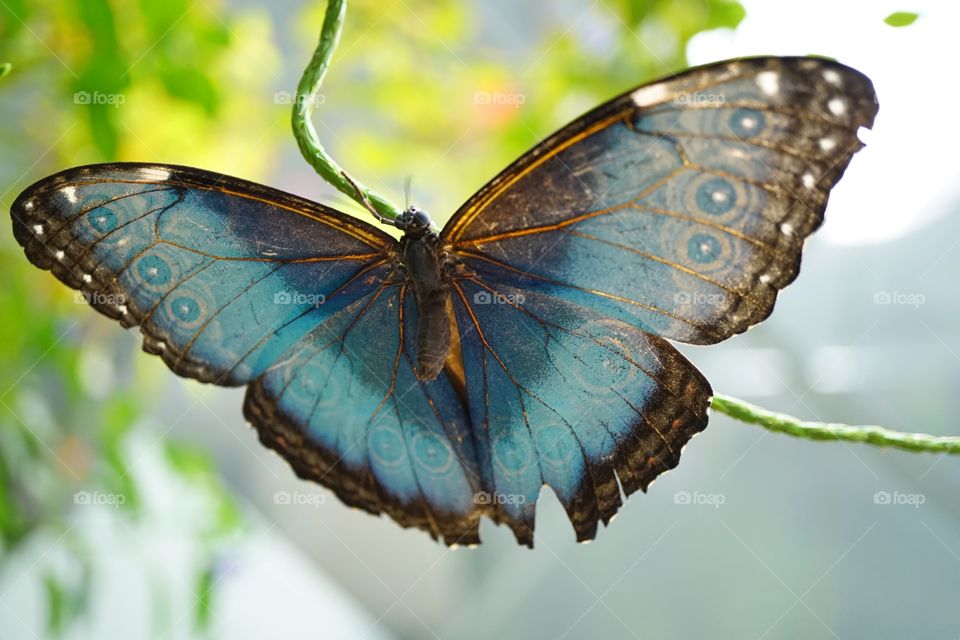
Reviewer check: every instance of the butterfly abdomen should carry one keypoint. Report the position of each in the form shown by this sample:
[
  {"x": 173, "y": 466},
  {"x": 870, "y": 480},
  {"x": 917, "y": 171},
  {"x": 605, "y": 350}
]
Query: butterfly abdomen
[{"x": 423, "y": 260}]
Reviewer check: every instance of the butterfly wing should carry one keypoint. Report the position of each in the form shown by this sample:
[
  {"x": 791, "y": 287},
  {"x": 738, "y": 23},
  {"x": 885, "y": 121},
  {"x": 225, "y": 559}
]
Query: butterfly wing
[
  {"x": 233, "y": 283},
  {"x": 677, "y": 210},
  {"x": 345, "y": 408},
  {"x": 564, "y": 396},
  {"x": 220, "y": 274},
  {"x": 680, "y": 207}
]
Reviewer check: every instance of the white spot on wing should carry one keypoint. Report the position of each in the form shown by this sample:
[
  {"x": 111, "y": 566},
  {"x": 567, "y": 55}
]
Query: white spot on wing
[
  {"x": 122, "y": 308},
  {"x": 769, "y": 82},
  {"x": 837, "y": 106},
  {"x": 652, "y": 94},
  {"x": 155, "y": 173},
  {"x": 70, "y": 193},
  {"x": 832, "y": 77},
  {"x": 87, "y": 278},
  {"x": 38, "y": 229},
  {"x": 28, "y": 205},
  {"x": 787, "y": 229},
  {"x": 766, "y": 278},
  {"x": 827, "y": 143},
  {"x": 59, "y": 255},
  {"x": 808, "y": 180}
]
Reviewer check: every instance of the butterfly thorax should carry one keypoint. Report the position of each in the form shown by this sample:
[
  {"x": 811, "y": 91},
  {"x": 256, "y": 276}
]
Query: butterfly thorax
[{"x": 425, "y": 262}]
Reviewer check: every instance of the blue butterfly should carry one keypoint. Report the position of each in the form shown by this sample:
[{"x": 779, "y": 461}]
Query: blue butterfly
[{"x": 445, "y": 377}]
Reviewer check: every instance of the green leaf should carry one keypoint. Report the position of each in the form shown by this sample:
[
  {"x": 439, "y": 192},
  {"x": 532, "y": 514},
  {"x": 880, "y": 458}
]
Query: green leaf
[
  {"x": 725, "y": 14},
  {"x": 901, "y": 18},
  {"x": 161, "y": 17},
  {"x": 5, "y": 69},
  {"x": 191, "y": 85}
]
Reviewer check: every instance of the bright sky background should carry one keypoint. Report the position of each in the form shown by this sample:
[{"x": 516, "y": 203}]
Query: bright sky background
[{"x": 908, "y": 174}]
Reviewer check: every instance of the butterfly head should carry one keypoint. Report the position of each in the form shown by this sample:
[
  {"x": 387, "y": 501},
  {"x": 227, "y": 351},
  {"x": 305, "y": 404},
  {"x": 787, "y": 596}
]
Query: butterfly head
[{"x": 414, "y": 221}]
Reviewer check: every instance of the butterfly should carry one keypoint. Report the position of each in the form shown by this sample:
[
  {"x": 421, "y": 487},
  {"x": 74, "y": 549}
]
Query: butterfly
[{"x": 444, "y": 377}]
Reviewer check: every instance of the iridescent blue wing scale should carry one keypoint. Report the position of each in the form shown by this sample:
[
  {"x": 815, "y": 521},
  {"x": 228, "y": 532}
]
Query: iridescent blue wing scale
[
  {"x": 680, "y": 207},
  {"x": 220, "y": 274},
  {"x": 563, "y": 396},
  {"x": 345, "y": 408}
]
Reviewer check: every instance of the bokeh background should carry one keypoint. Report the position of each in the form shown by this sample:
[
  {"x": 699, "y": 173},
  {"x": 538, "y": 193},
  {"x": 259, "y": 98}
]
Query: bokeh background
[{"x": 134, "y": 504}]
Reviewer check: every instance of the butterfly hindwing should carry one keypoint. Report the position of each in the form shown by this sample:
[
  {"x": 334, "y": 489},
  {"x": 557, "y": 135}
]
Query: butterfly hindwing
[
  {"x": 345, "y": 409},
  {"x": 563, "y": 396},
  {"x": 680, "y": 207},
  {"x": 221, "y": 275}
]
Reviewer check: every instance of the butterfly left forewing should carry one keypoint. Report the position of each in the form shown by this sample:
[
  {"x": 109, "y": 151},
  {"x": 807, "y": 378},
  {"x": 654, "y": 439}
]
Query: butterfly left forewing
[{"x": 220, "y": 274}]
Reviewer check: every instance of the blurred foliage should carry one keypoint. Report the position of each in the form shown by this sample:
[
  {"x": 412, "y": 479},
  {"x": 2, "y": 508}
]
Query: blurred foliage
[
  {"x": 416, "y": 89},
  {"x": 100, "y": 81},
  {"x": 901, "y": 19},
  {"x": 428, "y": 96}
]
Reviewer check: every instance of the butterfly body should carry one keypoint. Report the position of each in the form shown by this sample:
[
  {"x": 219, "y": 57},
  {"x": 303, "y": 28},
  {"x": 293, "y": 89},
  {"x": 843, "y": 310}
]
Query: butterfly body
[
  {"x": 428, "y": 266},
  {"x": 450, "y": 376}
]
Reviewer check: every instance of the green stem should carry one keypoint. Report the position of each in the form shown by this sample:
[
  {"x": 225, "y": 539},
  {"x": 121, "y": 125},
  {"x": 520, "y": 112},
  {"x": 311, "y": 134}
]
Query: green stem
[
  {"x": 307, "y": 96},
  {"x": 879, "y": 436},
  {"x": 316, "y": 155}
]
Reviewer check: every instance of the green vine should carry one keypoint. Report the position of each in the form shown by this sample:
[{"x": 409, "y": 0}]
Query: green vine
[
  {"x": 329, "y": 170},
  {"x": 308, "y": 92}
]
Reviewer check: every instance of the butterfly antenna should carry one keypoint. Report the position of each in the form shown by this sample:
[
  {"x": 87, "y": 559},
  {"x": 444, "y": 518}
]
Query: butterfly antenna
[
  {"x": 407, "y": 188},
  {"x": 362, "y": 198}
]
